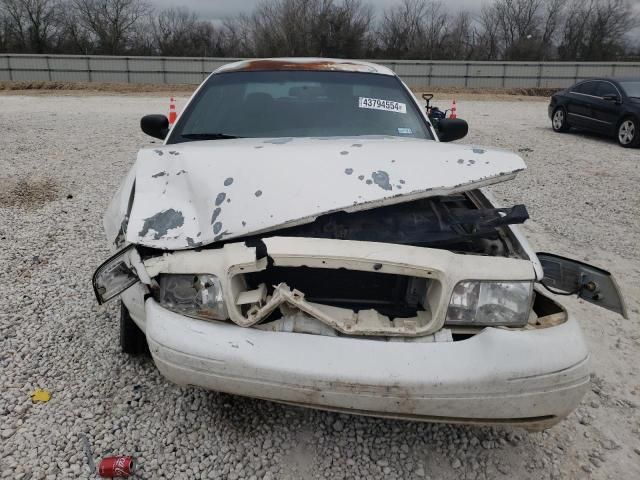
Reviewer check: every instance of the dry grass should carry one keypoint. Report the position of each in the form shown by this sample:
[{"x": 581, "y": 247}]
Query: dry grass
[
  {"x": 523, "y": 92},
  {"x": 487, "y": 94},
  {"x": 91, "y": 88}
]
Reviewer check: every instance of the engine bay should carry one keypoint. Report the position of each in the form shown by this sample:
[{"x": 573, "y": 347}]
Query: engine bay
[{"x": 452, "y": 222}]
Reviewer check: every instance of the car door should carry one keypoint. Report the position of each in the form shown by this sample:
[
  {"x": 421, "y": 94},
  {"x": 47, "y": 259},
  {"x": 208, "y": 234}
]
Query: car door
[
  {"x": 564, "y": 276},
  {"x": 606, "y": 108},
  {"x": 579, "y": 106}
]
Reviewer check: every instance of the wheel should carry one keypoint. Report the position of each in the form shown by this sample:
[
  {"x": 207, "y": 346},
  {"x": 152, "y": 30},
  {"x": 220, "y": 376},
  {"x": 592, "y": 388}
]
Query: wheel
[
  {"x": 559, "y": 120},
  {"x": 628, "y": 133},
  {"x": 132, "y": 340}
]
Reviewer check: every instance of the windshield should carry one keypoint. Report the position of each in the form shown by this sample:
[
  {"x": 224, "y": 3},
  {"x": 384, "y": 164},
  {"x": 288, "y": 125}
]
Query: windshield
[
  {"x": 632, "y": 89},
  {"x": 299, "y": 104}
]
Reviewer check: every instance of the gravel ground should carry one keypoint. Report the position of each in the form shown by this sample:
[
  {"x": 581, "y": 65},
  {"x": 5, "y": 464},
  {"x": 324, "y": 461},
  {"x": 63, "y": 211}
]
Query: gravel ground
[{"x": 62, "y": 158}]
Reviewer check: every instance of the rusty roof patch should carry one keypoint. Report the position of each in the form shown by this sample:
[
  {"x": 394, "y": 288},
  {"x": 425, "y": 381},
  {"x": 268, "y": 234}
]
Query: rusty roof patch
[{"x": 291, "y": 65}]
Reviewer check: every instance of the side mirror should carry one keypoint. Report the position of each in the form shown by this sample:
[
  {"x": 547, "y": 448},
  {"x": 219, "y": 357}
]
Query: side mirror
[
  {"x": 156, "y": 126},
  {"x": 450, "y": 129},
  {"x": 590, "y": 283},
  {"x": 612, "y": 98}
]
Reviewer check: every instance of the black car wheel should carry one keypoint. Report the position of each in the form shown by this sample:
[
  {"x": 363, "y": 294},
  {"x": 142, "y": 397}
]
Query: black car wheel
[
  {"x": 559, "y": 120},
  {"x": 132, "y": 340},
  {"x": 628, "y": 133}
]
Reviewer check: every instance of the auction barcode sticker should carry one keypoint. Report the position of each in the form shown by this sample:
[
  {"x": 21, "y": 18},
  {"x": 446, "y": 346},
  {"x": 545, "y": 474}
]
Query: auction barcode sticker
[{"x": 379, "y": 104}]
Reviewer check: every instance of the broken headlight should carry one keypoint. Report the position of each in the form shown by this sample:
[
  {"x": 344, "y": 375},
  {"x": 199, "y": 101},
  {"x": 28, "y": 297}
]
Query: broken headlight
[
  {"x": 490, "y": 303},
  {"x": 198, "y": 296},
  {"x": 114, "y": 276}
]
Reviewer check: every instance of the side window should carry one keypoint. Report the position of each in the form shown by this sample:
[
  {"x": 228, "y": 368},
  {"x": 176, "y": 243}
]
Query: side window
[
  {"x": 586, "y": 88},
  {"x": 606, "y": 88}
]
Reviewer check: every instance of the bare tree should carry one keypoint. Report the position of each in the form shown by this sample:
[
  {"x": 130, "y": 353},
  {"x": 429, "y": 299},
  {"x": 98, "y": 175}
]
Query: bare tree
[
  {"x": 436, "y": 30},
  {"x": 5, "y": 26},
  {"x": 31, "y": 23},
  {"x": 172, "y": 29},
  {"x": 460, "y": 41},
  {"x": 287, "y": 25},
  {"x": 111, "y": 22},
  {"x": 596, "y": 29},
  {"x": 519, "y": 29},
  {"x": 238, "y": 38},
  {"x": 271, "y": 29},
  {"x": 487, "y": 39},
  {"x": 423, "y": 29},
  {"x": 553, "y": 14},
  {"x": 416, "y": 29},
  {"x": 517, "y": 24},
  {"x": 140, "y": 40},
  {"x": 73, "y": 36},
  {"x": 302, "y": 28},
  {"x": 402, "y": 29},
  {"x": 343, "y": 31}
]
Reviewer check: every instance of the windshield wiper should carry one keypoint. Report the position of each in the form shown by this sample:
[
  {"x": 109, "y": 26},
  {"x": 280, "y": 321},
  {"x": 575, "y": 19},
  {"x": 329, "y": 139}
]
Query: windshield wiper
[{"x": 209, "y": 136}]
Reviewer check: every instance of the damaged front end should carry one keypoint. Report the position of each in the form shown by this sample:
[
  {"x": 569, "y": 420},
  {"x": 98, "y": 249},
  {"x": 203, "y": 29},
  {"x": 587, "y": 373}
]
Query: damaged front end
[
  {"x": 420, "y": 271},
  {"x": 416, "y": 247},
  {"x": 401, "y": 271}
]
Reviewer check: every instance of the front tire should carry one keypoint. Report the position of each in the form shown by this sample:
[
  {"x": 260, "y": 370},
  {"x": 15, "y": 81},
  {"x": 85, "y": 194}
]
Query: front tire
[
  {"x": 132, "y": 340},
  {"x": 628, "y": 133},
  {"x": 559, "y": 120}
]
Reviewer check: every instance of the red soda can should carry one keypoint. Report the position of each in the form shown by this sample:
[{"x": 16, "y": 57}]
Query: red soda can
[{"x": 120, "y": 466}]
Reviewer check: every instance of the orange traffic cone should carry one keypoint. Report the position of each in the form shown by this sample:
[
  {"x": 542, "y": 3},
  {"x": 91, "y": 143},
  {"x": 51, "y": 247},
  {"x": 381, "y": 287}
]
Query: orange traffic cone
[
  {"x": 454, "y": 110},
  {"x": 172, "y": 111}
]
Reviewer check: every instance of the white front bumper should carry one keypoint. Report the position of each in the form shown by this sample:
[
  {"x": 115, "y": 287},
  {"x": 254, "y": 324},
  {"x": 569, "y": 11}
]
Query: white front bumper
[{"x": 521, "y": 377}]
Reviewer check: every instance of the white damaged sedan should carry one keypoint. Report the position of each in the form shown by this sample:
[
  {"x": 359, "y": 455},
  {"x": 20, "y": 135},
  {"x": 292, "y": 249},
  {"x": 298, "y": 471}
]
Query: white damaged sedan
[{"x": 304, "y": 235}]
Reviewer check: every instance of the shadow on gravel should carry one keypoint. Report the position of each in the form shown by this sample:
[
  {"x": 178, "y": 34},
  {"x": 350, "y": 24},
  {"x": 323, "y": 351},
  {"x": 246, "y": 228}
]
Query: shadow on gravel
[
  {"x": 587, "y": 134},
  {"x": 29, "y": 193},
  {"x": 323, "y": 441},
  {"x": 576, "y": 132}
]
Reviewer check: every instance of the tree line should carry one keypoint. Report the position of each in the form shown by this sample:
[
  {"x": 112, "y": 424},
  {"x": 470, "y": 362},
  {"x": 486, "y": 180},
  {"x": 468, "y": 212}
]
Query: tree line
[{"x": 575, "y": 30}]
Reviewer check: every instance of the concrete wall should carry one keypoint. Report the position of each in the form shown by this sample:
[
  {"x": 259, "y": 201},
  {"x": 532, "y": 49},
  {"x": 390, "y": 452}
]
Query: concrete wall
[{"x": 418, "y": 74}]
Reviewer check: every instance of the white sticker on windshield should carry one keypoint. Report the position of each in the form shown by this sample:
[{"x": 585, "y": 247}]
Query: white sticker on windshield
[{"x": 379, "y": 104}]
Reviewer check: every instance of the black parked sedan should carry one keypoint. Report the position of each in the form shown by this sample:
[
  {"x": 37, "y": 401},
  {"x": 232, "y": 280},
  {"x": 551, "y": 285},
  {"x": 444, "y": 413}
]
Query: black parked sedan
[{"x": 602, "y": 105}]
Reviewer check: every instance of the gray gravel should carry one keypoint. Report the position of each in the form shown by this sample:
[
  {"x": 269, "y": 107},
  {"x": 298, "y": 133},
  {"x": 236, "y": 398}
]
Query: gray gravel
[{"x": 62, "y": 158}]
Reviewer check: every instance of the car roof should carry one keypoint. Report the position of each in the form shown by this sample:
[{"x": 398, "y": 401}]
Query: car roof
[
  {"x": 609, "y": 79},
  {"x": 596, "y": 79},
  {"x": 305, "y": 64}
]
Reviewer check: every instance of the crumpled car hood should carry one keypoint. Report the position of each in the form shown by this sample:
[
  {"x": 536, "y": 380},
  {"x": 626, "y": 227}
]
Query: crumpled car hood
[{"x": 197, "y": 193}]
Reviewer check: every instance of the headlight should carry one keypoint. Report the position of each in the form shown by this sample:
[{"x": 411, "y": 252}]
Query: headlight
[
  {"x": 198, "y": 296},
  {"x": 490, "y": 303},
  {"x": 114, "y": 276}
]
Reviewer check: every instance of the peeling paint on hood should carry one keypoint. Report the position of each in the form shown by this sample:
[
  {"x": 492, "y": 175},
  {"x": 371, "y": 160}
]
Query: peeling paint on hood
[{"x": 224, "y": 189}]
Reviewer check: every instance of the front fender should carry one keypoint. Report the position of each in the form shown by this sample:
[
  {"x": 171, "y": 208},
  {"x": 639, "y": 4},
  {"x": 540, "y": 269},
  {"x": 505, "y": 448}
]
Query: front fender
[{"x": 117, "y": 215}]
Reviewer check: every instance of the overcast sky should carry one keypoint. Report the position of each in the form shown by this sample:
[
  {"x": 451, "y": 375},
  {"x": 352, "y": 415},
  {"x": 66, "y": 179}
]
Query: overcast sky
[{"x": 219, "y": 9}]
